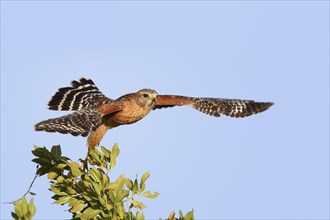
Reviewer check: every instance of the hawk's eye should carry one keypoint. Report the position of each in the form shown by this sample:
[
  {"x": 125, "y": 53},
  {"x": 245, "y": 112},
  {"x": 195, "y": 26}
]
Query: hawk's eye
[{"x": 145, "y": 95}]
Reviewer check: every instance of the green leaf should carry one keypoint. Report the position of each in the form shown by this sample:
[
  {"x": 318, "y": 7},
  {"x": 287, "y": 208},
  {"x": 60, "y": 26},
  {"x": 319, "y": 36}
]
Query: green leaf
[
  {"x": 128, "y": 183},
  {"x": 95, "y": 155},
  {"x": 112, "y": 196},
  {"x": 32, "y": 208},
  {"x": 14, "y": 215},
  {"x": 105, "y": 179},
  {"x": 42, "y": 161},
  {"x": 96, "y": 188},
  {"x": 190, "y": 215},
  {"x": 130, "y": 216},
  {"x": 60, "y": 179},
  {"x": 90, "y": 213},
  {"x": 121, "y": 195},
  {"x": 114, "y": 154},
  {"x": 135, "y": 186},
  {"x": 139, "y": 216},
  {"x": 47, "y": 154},
  {"x": 38, "y": 152},
  {"x": 56, "y": 151},
  {"x": 115, "y": 211},
  {"x": 108, "y": 206},
  {"x": 60, "y": 166},
  {"x": 17, "y": 208},
  {"x": 52, "y": 175},
  {"x": 62, "y": 200},
  {"x": 102, "y": 201},
  {"x": 72, "y": 201},
  {"x": 142, "y": 187},
  {"x": 120, "y": 210},
  {"x": 78, "y": 206},
  {"x": 35, "y": 147},
  {"x": 86, "y": 197},
  {"x": 58, "y": 192},
  {"x": 71, "y": 191},
  {"x": 181, "y": 214},
  {"x": 111, "y": 186},
  {"x": 106, "y": 152},
  {"x": 138, "y": 204},
  {"x": 32, "y": 193},
  {"x": 145, "y": 176},
  {"x": 42, "y": 170},
  {"x": 75, "y": 168},
  {"x": 120, "y": 181},
  {"x": 96, "y": 175},
  {"x": 115, "y": 150},
  {"x": 150, "y": 195},
  {"x": 24, "y": 206},
  {"x": 106, "y": 215}
]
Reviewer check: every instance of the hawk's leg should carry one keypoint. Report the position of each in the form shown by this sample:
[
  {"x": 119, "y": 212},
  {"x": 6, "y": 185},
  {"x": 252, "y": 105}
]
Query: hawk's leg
[{"x": 85, "y": 162}]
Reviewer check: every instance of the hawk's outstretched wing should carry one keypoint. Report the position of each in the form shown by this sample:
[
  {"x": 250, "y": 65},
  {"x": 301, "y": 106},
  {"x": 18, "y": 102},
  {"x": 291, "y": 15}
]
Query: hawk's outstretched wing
[
  {"x": 79, "y": 96},
  {"x": 214, "y": 106},
  {"x": 79, "y": 123}
]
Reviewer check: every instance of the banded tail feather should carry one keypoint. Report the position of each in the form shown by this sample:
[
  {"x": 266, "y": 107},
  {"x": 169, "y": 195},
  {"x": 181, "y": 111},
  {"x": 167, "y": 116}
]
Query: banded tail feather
[
  {"x": 76, "y": 97},
  {"x": 231, "y": 107},
  {"x": 80, "y": 123}
]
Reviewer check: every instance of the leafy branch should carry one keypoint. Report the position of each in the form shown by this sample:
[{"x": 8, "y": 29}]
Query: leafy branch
[{"x": 90, "y": 194}]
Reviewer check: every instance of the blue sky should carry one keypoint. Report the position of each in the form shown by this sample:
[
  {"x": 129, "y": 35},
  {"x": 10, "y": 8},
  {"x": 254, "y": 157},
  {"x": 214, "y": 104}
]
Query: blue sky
[{"x": 274, "y": 165}]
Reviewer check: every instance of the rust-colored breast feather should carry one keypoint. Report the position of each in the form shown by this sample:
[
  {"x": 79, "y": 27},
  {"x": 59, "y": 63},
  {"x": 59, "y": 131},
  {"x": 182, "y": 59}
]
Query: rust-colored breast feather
[{"x": 130, "y": 111}]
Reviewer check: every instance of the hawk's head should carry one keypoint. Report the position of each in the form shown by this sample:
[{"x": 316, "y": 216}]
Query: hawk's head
[{"x": 146, "y": 98}]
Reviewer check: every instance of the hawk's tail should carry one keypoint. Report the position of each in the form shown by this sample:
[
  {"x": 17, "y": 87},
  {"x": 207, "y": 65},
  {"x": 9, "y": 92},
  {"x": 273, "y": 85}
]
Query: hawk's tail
[
  {"x": 230, "y": 107},
  {"x": 79, "y": 123},
  {"x": 76, "y": 97}
]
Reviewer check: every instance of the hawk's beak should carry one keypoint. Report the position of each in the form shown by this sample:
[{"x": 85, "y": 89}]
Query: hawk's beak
[{"x": 153, "y": 101}]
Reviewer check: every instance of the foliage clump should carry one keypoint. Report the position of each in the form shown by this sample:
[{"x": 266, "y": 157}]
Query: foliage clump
[
  {"x": 90, "y": 193},
  {"x": 23, "y": 209}
]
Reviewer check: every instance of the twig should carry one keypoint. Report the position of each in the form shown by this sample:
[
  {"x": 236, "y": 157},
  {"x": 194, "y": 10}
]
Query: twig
[{"x": 28, "y": 191}]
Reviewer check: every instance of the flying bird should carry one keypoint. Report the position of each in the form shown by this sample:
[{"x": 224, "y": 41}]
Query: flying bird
[{"x": 95, "y": 113}]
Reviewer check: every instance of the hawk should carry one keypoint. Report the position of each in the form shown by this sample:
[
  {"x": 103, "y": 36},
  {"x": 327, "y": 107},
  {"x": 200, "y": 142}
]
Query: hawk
[{"x": 95, "y": 113}]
